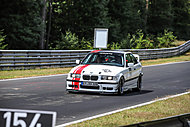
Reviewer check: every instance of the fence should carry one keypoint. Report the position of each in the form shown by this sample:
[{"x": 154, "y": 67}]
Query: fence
[{"x": 27, "y": 59}]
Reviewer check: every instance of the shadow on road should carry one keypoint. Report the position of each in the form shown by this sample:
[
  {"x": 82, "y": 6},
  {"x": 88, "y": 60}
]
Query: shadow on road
[
  {"x": 131, "y": 93},
  {"x": 128, "y": 93}
]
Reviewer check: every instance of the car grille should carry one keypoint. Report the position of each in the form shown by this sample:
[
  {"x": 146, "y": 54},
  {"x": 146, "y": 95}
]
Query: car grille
[
  {"x": 88, "y": 77},
  {"x": 89, "y": 87}
]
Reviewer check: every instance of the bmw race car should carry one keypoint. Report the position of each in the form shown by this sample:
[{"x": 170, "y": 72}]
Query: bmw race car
[{"x": 106, "y": 72}]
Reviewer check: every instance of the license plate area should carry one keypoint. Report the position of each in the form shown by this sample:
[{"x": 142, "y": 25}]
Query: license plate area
[{"x": 89, "y": 83}]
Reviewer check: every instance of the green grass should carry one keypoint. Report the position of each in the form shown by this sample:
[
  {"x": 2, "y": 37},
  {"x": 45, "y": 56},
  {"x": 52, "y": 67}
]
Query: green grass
[
  {"x": 157, "y": 110},
  {"x": 32, "y": 72},
  {"x": 185, "y": 57},
  {"x": 53, "y": 71}
]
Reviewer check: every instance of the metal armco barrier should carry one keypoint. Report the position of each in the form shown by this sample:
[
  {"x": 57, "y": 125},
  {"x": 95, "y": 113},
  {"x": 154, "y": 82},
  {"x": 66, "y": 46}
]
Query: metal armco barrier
[
  {"x": 28, "y": 59},
  {"x": 175, "y": 121}
]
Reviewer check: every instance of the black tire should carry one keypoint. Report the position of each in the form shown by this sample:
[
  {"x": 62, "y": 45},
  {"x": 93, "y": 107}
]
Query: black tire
[
  {"x": 69, "y": 91},
  {"x": 120, "y": 86},
  {"x": 139, "y": 84}
]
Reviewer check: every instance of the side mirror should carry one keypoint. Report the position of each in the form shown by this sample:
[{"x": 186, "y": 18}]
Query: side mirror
[
  {"x": 77, "y": 61},
  {"x": 130, "y": 64},
  {"x": 137, "y": 57}
]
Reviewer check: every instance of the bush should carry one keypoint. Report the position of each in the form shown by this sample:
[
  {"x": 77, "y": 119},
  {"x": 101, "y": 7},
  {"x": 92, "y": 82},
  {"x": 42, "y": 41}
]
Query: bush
[
  {"x": 165, "y": 40},
  {"x": 137, "y": 41},
  {"x": 140, "y": 41},
  {"x": 86, "y": 44},
  {"x": 68, "y": 42},
  {"x": 127, "y": 43},
  {"x": 2, "y": 43},
  {"x": 114, "y": 45}
]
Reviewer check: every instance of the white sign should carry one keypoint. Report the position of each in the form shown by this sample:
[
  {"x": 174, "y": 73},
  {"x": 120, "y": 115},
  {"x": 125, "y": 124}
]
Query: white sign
[
  {"x": 100, "y": 38},
  {"x": 26, "y": 118}
]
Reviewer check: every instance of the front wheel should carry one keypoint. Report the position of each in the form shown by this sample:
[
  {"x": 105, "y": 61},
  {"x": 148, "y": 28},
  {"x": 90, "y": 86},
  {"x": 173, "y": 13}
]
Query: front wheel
[{"x": 120, "y": 86}]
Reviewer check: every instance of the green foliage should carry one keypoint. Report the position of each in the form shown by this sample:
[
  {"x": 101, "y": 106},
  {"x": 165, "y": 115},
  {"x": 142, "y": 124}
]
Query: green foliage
[
  {"x": 126, "y": 17},
  {"x": 127, "y": 43},
  {"x": 22, "y": 23},
  {"x": 86, "y": 44},
  {"x": 140, "y": 41},
  {"x": 2, "y": 38},
  {"x": 114, "y": 45},
  {"x": 166, "y": 39},
  {"x": 181, "y": 20},
  {"x": 69, "y": 41},
  {"x": 160, "y": 16}
]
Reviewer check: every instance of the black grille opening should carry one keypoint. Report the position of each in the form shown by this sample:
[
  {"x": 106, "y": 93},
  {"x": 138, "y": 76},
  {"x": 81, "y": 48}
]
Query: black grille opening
[
  {"x": 109, "y": 88},
  {"x": 76, "y": 86},
  {"x": 71, "y": 85},
  {"x": 89, "y": 87},
  {"x": 94, "y": 77},
  {"x": 86, "y": 77}
]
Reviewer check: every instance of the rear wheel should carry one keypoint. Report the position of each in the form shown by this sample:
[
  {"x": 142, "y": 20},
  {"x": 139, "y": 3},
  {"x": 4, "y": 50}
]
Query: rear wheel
[
  {"x": 139, "y": 84},
  {"x": 120, "y": 86}
]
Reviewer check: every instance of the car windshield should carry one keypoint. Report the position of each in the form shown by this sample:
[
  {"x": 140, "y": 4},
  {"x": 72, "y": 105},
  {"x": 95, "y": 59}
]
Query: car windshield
[{"x": 104, "y": 58}]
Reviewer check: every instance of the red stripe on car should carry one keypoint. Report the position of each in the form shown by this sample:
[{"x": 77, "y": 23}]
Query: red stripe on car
[
  {"x": 74, "y": 78},
  {"x": 95, "y": 51},
  {"x": 78, "y": 71}
]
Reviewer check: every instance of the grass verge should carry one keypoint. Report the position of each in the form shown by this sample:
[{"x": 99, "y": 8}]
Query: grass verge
[
  {"x": 32, "y": 72},
  {"x": 184, "y": 57},
  {"x": 157, "y": 110},
  {"x": 53, "y": 71}
]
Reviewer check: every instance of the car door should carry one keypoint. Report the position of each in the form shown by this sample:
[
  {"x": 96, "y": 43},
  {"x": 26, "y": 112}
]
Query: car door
[
  {"x": 136, "y": 67},
  {"x": 129, "y": 60},
  {"x": 132, "y": 70}
]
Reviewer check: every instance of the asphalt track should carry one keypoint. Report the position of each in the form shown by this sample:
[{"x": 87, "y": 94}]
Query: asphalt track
[{"x": 48, "y": 93}]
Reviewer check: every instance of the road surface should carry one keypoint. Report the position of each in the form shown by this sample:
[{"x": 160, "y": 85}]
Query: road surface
[{"x": 48, "y": 93}]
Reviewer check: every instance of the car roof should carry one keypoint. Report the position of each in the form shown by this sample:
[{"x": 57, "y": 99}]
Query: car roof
[{"x": 109, "y": 51}]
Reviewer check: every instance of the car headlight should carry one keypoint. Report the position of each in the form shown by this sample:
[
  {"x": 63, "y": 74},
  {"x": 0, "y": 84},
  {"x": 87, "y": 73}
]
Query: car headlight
[
  {"x": 75, "y": 75},
  {"x": 103, "y": 77}
]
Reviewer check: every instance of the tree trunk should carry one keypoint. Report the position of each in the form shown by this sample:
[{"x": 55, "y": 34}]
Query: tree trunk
[
  {"x": 42, "y": 38},
  {"x": 49, "y": 23},
  {"x": 146, "y": 15}
]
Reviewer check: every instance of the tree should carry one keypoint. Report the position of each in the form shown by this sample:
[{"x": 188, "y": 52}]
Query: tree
[
  {"x": 33, "y": 24},
  {"x": 49, "y": 23},
  {"x": 181, "y": 26},
  {"x": 160, "y": 16},
  {"x": 126, "y": 17},
  {"x": 43, "y": 30},
  {"x": 21, "y": 21},
  {"x": 80, "y": 17}
]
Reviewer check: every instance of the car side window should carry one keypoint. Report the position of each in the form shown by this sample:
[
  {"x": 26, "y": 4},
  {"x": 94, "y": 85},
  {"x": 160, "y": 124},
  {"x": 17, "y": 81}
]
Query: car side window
[
  {"x": 133, "y": 59},
  {"x": 128, "y": 59}
]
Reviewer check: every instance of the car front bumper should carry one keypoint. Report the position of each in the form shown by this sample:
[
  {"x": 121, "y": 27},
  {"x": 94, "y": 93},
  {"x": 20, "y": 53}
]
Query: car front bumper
[{"x": 100, "y": 87}]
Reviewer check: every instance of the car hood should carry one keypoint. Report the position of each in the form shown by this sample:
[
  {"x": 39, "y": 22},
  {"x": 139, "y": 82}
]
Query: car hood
[{"x": 97, "y": 70}]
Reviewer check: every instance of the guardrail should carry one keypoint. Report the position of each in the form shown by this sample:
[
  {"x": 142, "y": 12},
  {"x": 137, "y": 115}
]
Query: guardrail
[
  {"x": 160, "y": 53},
  {"x": 28, "y": 59},
  {"x": 175, "y": 121}
]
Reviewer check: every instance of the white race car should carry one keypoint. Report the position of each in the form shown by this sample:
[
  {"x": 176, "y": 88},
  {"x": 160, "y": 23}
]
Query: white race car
[{"x": 106, "y": 72}]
